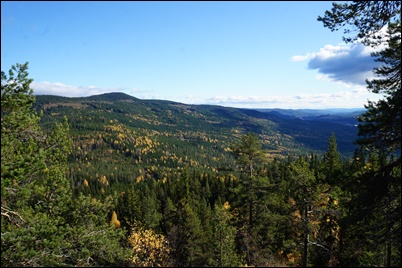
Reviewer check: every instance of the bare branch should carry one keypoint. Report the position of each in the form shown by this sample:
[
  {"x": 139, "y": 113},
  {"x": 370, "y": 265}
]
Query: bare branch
[{"x": 5, "y": 212}]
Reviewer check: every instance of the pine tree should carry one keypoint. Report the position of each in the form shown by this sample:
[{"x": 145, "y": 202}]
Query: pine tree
[
  {"x": 249, "y": 154},
  {"x": 21, "y": 157},
  {"x": 376, "y": 205},
  {"x": 303, "y": 192},
  {"x": 255, "y": 204},
  {"x": 380, "y": 125},
  {"x": 41, "y": 224}
]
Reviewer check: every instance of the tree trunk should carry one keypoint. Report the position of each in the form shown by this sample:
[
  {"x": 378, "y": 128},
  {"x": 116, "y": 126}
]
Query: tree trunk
[{"x": 306, "y": 238}]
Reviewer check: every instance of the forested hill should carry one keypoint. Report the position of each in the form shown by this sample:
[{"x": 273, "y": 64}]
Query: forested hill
[
  {"x": 116, "y": 181},
  {"x": 280, "y": 135}
]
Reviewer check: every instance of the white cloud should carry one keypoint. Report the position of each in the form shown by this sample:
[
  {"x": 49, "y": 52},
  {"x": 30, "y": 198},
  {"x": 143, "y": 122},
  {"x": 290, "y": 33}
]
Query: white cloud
[
  {"x": 354, "y": 97},
  {"x": 60, "y": 89},
  {"x": 301, "y": 58},
  {"x": 346, "y": 63}
]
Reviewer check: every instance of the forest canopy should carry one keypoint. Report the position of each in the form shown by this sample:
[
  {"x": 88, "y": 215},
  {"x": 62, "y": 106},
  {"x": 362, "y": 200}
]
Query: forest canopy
[{"x": 92, "y": 189}]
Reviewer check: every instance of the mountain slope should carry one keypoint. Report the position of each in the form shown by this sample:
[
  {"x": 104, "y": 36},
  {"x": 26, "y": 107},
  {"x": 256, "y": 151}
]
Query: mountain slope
[
  {"x": 280, "y": 133},
  {"x": 119, "y": 139}
]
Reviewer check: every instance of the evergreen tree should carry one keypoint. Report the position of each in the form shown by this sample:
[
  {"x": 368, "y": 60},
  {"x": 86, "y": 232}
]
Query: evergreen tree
[
  {"x": 223, "y": 238},
  {"x": 257, "y": 208},
  {"x": 332, "y": 161},
  {"x": 377, "y": 204},
  {"x": 304, "y": 193},
  {"x": 380, "y": 125},
  {"x": 41, "y": 224},
  {"x": 206, "y": 217},
  {"x": 333, "y": 180},
  {"x": 22, "y": 159},
  {"x": 129, "y": 208},
  {"x": 187, "y": 238},
  {"x": 249, "y": 154},
  {"x": 169, "y": 215},
  {"x": 366, "y": 18},
  {"x": 150, "y": 213}
]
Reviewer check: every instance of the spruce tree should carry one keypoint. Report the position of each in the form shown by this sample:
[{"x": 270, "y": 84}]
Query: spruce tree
[
  {"x": 332, "y": 161},
  {"x": 224, "y": 235}
]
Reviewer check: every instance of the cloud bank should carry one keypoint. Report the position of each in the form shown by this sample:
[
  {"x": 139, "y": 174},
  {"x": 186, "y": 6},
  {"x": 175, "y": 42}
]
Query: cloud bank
[
  {"x": 353, "y": 97},
  {"x": 60, "y": 89},
  {"x": 350, "y": 64}
]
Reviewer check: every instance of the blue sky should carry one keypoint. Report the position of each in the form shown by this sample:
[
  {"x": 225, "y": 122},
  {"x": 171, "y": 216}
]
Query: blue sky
[{"x": 239, "y": 54}]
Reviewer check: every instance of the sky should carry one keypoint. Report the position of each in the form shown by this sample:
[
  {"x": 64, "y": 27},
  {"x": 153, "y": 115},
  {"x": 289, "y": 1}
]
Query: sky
[{"x": 245, "y": 54}]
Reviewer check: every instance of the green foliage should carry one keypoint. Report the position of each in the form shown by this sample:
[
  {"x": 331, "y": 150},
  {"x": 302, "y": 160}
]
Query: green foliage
[
  {"x": 332, "y": 160},
  {"x": 21, "y": 154},
  {"x": 364, "y": 17},
  {"x": 258, "y": 204},
  {"x": 129, "y": 208},
  {"x": 248, "y": 152},
  {"x": 224, "y": 235},
  {"x": 373, "y": 218},
  {"x": 187, "y": 237},
  {"x": 168, "y": 173},
  {"x": 380, "y": 125},
  {"x": 41, "y": 224}
]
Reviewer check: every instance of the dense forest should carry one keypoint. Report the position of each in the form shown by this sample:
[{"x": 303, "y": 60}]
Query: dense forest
[{"x": 112, "y": 180}]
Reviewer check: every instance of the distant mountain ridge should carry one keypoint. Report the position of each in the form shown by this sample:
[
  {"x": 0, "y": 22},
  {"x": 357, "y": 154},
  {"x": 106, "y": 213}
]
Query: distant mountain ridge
[
  {"x": 346, "y": 116},
  {"x": 314, "y": 112},
  {"x": 283, "y": 131}
]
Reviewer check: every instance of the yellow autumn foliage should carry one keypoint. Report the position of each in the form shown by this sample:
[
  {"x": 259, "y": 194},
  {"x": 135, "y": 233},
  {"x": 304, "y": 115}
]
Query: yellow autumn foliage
[
  {"x": 114, "y": 220},
  {"x": 104, "y": 180},
  {"x": 149, "y": 248},
  {"x": 226, "y": 205}
]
